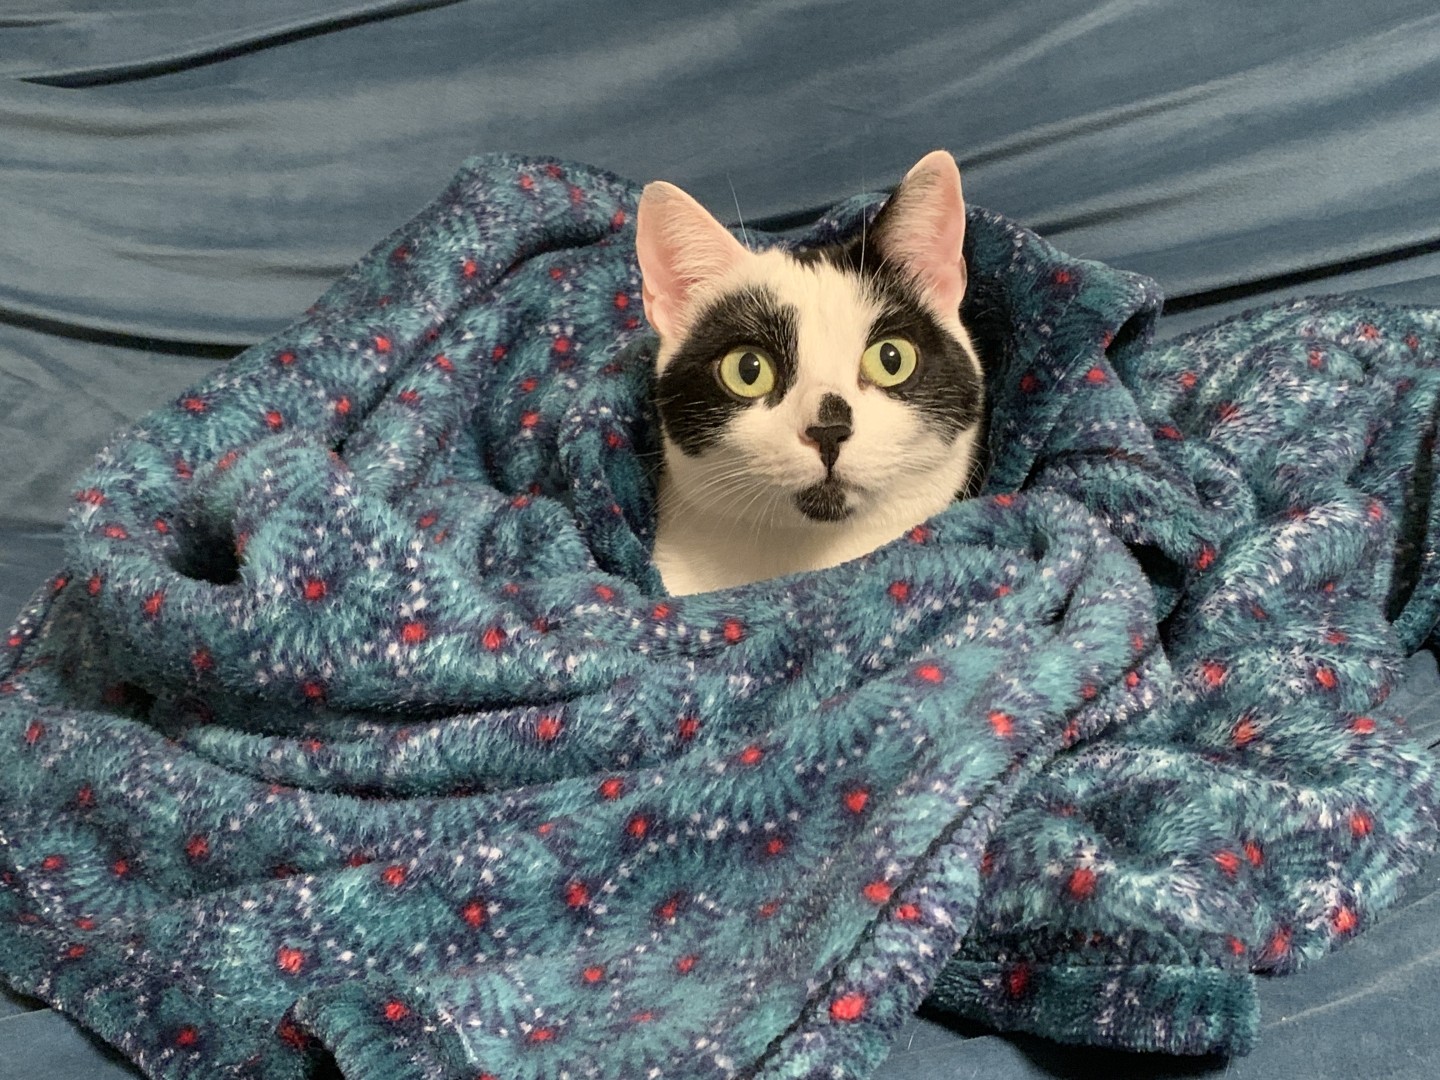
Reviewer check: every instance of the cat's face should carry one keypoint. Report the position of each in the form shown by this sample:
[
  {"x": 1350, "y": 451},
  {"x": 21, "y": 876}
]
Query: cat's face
[{"x": 813, "y": 389}]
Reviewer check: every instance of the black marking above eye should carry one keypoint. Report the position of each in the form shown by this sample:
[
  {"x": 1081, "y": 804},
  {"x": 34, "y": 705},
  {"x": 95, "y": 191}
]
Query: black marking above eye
[{"x": 743, "y": 329}]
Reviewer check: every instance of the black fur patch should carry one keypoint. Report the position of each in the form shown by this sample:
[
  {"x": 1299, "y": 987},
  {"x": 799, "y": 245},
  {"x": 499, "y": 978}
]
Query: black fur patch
[
  {"x": 945, "y": 387},
  {"x": 824, "y": 501},
  {"x": 832, "y": 427},
  {"x": 835, "y": 411},
  {"x": 694, "y": 405}
]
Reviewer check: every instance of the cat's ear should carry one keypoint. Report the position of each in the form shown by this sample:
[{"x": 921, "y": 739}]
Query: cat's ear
[
  {"x": 922, "y": 228},
  {"x": 681, "y": 248}
]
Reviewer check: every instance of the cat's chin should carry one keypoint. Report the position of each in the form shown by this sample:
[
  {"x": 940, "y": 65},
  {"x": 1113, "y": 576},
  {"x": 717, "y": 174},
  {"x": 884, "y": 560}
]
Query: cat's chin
[{"x": 825, "y": 501}]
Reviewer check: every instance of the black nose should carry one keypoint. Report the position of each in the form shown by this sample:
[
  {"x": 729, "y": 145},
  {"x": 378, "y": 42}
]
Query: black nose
[{"x": 832, "y": 427}]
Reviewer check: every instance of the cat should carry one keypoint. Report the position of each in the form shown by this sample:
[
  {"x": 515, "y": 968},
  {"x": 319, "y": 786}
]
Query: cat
[{"x": 813, "y": 404}]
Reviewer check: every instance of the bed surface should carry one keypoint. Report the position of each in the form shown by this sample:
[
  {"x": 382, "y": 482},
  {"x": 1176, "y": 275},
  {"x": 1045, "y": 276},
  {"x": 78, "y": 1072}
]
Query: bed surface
[{"x": 177, "y": 181}]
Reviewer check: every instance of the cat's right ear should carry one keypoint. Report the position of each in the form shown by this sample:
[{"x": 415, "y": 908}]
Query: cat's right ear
[{"x": 681, "y": 249}]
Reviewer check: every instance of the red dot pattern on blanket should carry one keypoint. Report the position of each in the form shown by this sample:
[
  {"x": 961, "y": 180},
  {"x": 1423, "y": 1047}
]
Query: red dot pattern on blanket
[{"x": 569, "y": 823}]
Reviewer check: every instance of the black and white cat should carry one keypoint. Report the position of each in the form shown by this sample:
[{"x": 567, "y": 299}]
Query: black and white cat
[{"x": 814, "y": 405}]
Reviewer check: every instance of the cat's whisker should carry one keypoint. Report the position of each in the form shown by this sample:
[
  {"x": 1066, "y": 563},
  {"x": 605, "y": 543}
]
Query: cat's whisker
[
  {"x": 770, "y": 519},
  {"x": 738, "y": 216},
  {"x": 741, "y": 514},
  {"x": 716, "y": 491},
  {"x": 864, "y": 218},
  {"x": 720, "y": 482}
]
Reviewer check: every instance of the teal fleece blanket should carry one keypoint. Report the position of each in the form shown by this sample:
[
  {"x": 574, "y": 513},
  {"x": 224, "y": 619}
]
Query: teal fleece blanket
[{"x": 358, "y": 725}]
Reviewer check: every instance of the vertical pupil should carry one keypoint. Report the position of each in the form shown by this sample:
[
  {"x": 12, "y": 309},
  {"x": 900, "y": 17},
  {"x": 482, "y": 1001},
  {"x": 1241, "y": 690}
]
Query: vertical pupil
[
  {"x": 749, "y": 368},
  {"x": 890, "y": 358}
]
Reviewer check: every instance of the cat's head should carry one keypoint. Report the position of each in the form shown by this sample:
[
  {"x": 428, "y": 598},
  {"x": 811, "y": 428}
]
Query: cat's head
[{"x": 815, "y": 387}]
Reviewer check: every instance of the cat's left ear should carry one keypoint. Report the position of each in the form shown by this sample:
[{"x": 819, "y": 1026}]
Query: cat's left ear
[
  {"x": 682, "y": 249},
  {"x": 922, "y": 228}
]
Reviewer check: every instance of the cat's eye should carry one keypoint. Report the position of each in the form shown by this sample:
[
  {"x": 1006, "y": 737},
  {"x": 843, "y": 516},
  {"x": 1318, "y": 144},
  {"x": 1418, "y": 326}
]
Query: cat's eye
[
  {"x": 747, "y": 372},
  {"x": 889, "y": 362}
]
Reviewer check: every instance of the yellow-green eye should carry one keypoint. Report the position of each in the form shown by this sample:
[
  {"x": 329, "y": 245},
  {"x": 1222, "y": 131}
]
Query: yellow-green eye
[
  {"x": 747, "y": 372},
  {"x": 889, "y": 362}
]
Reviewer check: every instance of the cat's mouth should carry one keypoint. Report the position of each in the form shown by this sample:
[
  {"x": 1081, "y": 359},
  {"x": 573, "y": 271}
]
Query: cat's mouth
[{"x": 824, "y": 501}]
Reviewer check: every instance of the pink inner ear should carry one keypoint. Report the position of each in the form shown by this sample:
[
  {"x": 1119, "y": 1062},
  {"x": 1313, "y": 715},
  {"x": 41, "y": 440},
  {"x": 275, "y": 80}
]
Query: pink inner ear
[
  {"x": 925, "y": 228},
  {"x": 682, "y": 250}
]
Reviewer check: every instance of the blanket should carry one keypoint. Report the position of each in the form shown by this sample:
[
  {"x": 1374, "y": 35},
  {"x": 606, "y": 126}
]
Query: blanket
[{"x": 358, "y": 726}]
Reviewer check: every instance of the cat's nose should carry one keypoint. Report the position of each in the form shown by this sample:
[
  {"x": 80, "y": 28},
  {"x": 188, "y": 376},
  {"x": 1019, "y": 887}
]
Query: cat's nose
[{"x": 832, "y": 427}]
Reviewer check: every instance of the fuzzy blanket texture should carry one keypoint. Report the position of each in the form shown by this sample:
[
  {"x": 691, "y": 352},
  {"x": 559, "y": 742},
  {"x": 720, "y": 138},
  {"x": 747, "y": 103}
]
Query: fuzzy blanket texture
[{"x": 358, "y": 724}]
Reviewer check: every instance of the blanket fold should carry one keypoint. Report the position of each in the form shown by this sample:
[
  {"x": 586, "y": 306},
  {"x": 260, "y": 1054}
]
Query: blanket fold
[{"x": 359, "y": 723}]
